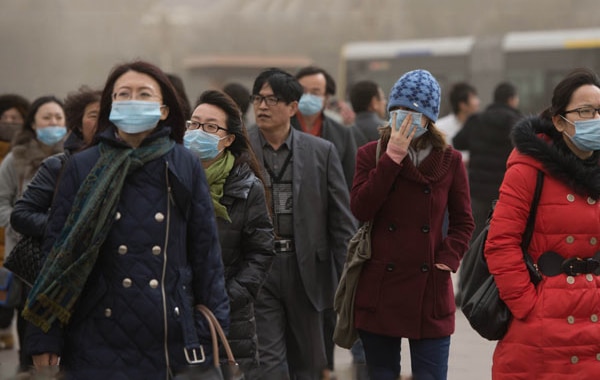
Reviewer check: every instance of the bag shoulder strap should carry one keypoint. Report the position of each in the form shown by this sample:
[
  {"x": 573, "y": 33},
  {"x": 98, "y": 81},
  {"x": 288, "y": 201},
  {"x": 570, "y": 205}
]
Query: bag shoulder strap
[
  {"x": 528, "y": 234},
  {"x": 216, "y": 330}
]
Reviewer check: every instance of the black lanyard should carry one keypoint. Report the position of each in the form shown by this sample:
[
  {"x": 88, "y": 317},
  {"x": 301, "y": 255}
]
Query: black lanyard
[{"x": 277, "y": 178}]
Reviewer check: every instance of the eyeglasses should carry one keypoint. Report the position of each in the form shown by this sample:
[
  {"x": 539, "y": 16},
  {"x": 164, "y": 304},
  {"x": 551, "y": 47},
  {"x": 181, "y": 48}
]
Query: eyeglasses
[
  {"x": 269, "y": 100},
  {"x": 123, "y": 95},
  {"x": 206, "y": 127},
  {"x": 585, "y": 112}
]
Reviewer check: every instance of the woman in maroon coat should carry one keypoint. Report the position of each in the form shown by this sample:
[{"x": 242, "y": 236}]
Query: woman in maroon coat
[{"x": 405, "y": 290}]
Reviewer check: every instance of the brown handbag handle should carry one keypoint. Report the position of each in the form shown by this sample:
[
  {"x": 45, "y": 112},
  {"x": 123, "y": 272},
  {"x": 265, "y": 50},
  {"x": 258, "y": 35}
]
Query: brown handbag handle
[{"x": 217, "y": 330}]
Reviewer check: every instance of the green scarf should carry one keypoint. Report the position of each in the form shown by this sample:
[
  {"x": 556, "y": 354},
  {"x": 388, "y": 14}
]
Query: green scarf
[
  {"x": 76, "y": 249},
  {"x": 216, "y": 175}
]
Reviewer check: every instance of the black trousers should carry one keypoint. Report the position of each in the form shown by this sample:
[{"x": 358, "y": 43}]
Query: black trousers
[{"x": 290, "y": 330}]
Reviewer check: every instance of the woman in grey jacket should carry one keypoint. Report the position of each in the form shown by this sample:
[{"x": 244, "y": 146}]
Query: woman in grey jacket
[
  {"x": 41, "y": 136},
  {"x": 217, "y": 136}
]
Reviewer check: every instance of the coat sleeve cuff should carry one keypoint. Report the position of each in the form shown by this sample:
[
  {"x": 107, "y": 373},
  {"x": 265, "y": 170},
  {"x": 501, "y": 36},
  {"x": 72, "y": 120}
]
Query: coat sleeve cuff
[{"x": 38, "y": 342}]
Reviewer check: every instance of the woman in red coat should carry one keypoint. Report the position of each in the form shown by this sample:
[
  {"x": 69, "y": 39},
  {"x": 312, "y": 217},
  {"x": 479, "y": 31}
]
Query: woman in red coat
[
  {"x": 405, "y": 290},
  {"x": 555, "y": 332}
]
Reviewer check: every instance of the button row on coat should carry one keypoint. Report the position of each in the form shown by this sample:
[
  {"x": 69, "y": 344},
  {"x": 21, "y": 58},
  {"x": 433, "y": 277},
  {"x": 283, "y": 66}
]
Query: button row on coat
[
  {"x": 159, "y": 216},
  {"x": 571, "y": 239},
  {"x": 127, "y": 282},
  {"x": 571, "y": 279},
  {"x": 425, "y": 229},
  {"x": 590, "y": 200},
  {"x": 575, "y": 359},
  {"x": 156, "y": 250},
  {"x": 593, "y": 319}
]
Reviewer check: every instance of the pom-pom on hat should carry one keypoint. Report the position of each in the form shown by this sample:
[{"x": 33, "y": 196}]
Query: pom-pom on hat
[{"x": 419, "y": 91}]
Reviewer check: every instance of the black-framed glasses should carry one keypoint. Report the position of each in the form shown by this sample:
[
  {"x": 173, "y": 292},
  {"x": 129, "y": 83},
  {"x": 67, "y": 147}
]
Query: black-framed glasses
[
  {"x": 269, "y": 100},
  {"x": 206, "y": 127},
  {"x": 585, "y": 112}
]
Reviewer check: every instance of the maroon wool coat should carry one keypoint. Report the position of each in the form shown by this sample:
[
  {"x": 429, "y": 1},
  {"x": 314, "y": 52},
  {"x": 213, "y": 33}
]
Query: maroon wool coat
[{"x": 400, "y": 292}]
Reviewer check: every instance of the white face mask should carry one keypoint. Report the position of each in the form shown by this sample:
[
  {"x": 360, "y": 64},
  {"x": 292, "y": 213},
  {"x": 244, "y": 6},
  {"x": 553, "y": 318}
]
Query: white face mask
[
  {"x": 415, "y": 123},
  {"x": 587, "y": 134},
  {"x": 205, "y": 145},
  {"x": 310, "y": 104},
  {"x": 135, "y": 116}
]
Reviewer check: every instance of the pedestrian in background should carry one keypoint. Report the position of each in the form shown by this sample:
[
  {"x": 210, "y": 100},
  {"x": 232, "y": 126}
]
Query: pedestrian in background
[
  {"x": 30, "y": 213},
  {"x": 464, "y": 102},
  {"x": 319, "y": 87},
  {"x": 486, "y": 136},
  {"x": 41, "y": 136},
  {"x": 216, "y": 134},
  {"x": 405, "y": 289},
  {"x": 554, "y": 333},
  {"x": 184, "y": 101},
  {"x": 132, "y": 245},
  {"x": 369, "y": 104},
  {"x": 241, "y": 96},
  {"x": 13, "y": 111}
]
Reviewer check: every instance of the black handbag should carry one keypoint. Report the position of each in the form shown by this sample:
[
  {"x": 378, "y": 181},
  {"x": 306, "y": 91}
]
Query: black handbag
[
  {"x": 481, "y": 303},
  {"x": 26, "y": 259},
  {"x": 226, "y": 371}
]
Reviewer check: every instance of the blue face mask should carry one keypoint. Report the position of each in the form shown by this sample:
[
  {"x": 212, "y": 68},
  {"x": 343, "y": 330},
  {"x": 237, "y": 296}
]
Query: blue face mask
[
  {"x": 587, "y": 134},
  {"x": 310, "y": 104},
  {"x": 50, "y": 135},
  {"x": 416, "y": 121},
  {"x": 135, "y": 116},
  {"x": 204, "y": 145}
]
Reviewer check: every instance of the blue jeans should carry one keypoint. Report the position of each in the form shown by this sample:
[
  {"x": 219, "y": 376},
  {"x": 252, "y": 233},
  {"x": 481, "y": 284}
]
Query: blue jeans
[{"x": 428, "y": 357}]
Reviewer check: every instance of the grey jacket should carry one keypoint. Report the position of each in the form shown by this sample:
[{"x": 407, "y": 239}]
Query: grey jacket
[
  {"x": 323, "y": 223},
  {"x": 343, "y": 140}
]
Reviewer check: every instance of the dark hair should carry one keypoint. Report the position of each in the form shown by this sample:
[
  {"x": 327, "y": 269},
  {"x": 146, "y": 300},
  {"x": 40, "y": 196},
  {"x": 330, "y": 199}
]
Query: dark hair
[
  {"x": 503, "y": 92},
  {"x": 175, "y": 120},
  {"x": 283, "y": 84},
  {"x": 361, "y": 95},
  {"x": 561, "y": 97},
  {"x": 240, "y": 95},
  {"x": 241, "y": 147},
  {"x": 460, "y": 93},
  {"x": 75, "y": 104},
  {"x": 8, "y": 101},
  {"x": 35, "y": 106},
  {"x": 330, "y": 86},
  {"x": 183, "y": 99}
]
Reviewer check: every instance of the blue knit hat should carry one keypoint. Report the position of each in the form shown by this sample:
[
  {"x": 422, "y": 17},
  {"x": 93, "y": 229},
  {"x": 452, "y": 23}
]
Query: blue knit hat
[{"x": 419, "y": 91}]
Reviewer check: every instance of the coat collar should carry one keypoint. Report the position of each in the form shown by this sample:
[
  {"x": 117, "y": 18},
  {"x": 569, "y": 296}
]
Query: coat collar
[
  {"x": 538, "y": 139},
  {"x": 432, "y": 169}
]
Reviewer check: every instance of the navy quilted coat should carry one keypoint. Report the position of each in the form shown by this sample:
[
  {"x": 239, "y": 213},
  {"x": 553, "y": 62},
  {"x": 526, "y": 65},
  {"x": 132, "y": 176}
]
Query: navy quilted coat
[{"x": 161, "y": 256}]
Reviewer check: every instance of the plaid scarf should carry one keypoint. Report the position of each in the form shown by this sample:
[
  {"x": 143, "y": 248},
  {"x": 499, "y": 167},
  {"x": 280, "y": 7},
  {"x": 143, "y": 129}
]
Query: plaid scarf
[{"x": 76, "y": 249}]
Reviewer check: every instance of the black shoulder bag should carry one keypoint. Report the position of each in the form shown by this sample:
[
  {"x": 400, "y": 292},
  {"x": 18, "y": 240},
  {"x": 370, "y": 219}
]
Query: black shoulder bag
[{"x": 481, "y": 303}]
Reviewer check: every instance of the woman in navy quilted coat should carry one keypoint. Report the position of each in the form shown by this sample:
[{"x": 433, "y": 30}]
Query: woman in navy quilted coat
[{"x": 132, "y": 245}]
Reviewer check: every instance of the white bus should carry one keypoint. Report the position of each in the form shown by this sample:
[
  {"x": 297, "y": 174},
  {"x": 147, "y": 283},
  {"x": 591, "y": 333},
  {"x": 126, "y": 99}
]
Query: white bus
[{"x": 533, "y": 61}]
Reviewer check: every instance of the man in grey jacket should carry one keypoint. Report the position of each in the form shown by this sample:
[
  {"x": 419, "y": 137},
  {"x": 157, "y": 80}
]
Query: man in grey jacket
[{"x": 313, "y": 224}]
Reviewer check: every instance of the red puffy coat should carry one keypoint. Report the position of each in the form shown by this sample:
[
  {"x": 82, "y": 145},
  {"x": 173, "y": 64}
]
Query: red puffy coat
[
  {"x": 555, "y": 332},
  {"x": 400, "y": 292}
]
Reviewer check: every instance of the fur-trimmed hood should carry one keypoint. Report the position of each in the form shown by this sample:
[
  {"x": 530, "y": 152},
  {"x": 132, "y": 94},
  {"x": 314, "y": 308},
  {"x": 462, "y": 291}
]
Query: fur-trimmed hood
[
  {"x": 538, "y": 138},
  {"x": 28, "y": 153}
]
